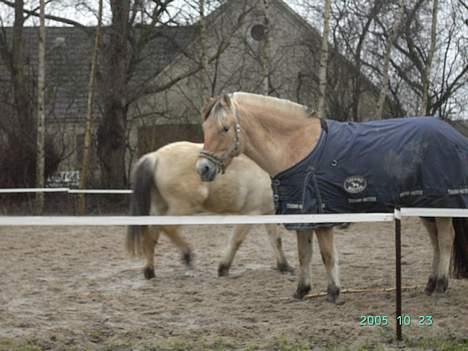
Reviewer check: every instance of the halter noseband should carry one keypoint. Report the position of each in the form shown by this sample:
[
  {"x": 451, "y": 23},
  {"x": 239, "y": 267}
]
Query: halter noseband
[{"x": 232, "y": 151}]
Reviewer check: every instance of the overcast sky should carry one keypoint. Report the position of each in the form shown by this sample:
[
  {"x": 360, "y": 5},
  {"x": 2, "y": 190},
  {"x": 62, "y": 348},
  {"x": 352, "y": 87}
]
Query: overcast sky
[{"x": 68, "y": 9}]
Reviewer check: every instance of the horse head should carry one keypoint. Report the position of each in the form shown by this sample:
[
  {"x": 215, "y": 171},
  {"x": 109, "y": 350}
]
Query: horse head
[{"x": 221, "y": 131}]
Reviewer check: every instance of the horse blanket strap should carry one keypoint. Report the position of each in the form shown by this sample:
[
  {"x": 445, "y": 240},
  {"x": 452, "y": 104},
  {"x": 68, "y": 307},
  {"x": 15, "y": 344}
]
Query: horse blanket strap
[
  {"x": 375, "y": 167},
  {"x": 324, "y": 125}
]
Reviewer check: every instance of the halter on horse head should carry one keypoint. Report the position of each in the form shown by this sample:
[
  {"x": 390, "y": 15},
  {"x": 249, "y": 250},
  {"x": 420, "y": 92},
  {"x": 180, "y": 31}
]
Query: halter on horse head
[{"x": 211, "y": 163}]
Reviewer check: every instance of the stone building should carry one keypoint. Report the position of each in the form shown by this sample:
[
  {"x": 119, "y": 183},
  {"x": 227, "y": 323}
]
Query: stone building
[{"x": 235, "y": 40}]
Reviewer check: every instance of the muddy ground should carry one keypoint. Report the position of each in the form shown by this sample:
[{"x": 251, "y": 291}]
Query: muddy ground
[{"x": 74, "y": 288}]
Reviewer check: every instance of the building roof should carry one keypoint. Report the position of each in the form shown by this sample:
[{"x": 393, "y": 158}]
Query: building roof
[{"x": 68, "y": 60}]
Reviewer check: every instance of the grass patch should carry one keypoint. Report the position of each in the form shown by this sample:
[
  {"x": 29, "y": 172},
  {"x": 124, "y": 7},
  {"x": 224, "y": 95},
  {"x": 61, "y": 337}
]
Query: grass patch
[
  {"x": 12, "y": 345},
  {"x": 200, "y": 344},
  {"x": 282, "y": 344},
  {"x": 277, "y": 344},
  {"x": 438, "y": 344}
]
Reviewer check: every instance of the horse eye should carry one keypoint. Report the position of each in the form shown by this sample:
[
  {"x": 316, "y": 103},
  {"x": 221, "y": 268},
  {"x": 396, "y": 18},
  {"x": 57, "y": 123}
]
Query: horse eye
[{"x": 225, "y": 129}]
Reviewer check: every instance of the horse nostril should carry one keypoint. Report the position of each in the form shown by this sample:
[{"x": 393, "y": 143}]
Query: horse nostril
[
  {"x": 206, "y": 170},
  {"x": 203, "y": 169}
]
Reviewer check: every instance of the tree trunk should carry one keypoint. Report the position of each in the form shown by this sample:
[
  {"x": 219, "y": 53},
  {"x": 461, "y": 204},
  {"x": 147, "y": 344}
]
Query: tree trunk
[
  {"x": 40, "y": 154},
  {"x": 425, "y": 107},
  {"x": 265, "y": 49},
  {"x": 205, "y": 77},
  {"x": 357, "y": 79},
  {"x": 23, "y": 129},
  {"x": 388, "y": 52},
  {"x": 321, "y": 109},
  {"x": 113, "y": 127},
  {"x": 89, "y": 115}
]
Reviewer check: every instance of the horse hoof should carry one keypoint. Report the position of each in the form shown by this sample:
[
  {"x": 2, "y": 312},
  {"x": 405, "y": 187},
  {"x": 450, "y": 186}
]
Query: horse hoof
[
  {"x": 441, "y": 286},
  {"x": 187, "y": 259},
  {"x": 223, "y": 270},
  {"x": 149, "y": 273},
  {"x": 333, "y": 296},
  {"x": 430, "y": 286},
  {"x": 302, "y": 290},
  {"x": 285, "y": 268}
]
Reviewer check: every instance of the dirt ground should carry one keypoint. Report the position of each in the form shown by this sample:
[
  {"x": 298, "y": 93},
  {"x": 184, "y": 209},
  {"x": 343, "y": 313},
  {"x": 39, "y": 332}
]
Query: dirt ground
[{"x": 74, "y": 288}]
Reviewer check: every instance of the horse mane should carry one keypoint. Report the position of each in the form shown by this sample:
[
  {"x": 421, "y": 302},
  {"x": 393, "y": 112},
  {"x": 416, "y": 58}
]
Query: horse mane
[
  {"x": 215, "y": 106},
  {"x": 282, "y": 105}
]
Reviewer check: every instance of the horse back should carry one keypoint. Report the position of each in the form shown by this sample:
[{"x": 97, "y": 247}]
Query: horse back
[{"x": 243, "y": 188}]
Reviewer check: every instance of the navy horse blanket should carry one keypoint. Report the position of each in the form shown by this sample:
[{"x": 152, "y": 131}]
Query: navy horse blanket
[{"x": 376, "y": 166}]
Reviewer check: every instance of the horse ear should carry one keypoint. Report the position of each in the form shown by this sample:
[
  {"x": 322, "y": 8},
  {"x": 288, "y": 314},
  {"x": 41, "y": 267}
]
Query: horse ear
[
  {"x": 208, "y": 99},
  {"x": 207, "y": 106},
  {"x": 227, "y": 100}
]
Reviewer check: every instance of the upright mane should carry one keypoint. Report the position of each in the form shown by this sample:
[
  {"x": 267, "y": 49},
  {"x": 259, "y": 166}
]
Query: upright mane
[{"x": 281, "y": 105}]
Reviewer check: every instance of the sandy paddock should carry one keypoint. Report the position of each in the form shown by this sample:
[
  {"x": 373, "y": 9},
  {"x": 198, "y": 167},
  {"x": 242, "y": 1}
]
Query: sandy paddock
[{"x": 74, "y": 288}]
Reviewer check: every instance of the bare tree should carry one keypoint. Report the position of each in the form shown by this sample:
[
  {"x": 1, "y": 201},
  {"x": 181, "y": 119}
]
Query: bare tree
[
  {"x": 18, "y": 127},
  {"x": 205, "y": 76},
  {"x": 425, "y": 108},
  {"x": 126, "y": 53},
  {"x": 324, "y": 60},
  {"x": 20, "y": 4},
  {"x": 352, "y": 24},
  {"x": 388, "y": 51},
  {"x": 89, "y": 114},
  {"x": 265, "y": 55},
  {"x": 111, "y": 134},
  {"x": 40, "y": 152},
  {"x": 404, "y": 18},
  {"x": 447, "y": 95}
]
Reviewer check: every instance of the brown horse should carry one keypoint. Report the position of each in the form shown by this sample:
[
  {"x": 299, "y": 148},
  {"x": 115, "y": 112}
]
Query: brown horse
[
  {"x": 165, "y": 183},
  {"x": 276, "y": 135}
]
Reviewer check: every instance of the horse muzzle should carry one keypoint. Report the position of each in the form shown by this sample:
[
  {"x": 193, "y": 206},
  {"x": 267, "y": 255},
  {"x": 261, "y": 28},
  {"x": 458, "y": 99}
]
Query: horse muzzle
[{"x": 206, "y": 169}]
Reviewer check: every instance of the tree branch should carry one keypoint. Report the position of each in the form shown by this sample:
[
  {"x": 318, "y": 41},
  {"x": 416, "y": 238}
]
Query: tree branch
[{"x": 49, "y": 17}]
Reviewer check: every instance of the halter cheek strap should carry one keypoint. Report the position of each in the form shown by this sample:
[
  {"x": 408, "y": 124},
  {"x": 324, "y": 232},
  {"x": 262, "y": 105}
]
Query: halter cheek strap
[{"x": 232, "y": 151}]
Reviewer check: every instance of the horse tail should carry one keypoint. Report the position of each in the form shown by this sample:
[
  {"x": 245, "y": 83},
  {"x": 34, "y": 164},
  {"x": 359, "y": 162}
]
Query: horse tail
[
  {"x": 140, "y": 202},
  {"x": 460, "y": 248}
]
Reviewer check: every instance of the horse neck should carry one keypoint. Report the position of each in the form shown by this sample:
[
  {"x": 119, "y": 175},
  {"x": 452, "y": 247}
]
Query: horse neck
[{"x": 276, "y": 139}]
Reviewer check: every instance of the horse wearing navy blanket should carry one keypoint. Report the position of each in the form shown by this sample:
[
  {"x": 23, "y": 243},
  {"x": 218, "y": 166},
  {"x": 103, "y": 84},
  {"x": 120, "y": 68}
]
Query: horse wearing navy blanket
[{"x": 323, "y": 166}]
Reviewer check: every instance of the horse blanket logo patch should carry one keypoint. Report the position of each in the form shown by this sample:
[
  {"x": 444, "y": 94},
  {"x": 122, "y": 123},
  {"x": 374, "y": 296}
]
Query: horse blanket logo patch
[{"x": 355, "y": 184}]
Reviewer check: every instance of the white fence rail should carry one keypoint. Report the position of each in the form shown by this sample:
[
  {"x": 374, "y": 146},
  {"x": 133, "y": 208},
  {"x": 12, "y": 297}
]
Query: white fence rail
[
  {"x": 228, "y": 219},
  {"x": 431, "y": 212},
  {"x": 64, "y": 190},
  {"x": 191, "y": 220}
]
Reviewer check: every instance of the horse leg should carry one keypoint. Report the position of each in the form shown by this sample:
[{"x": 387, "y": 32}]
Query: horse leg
[
  {"x": 275, "y": 240},
  {"x": 235, "y": 241},
  {"x": 172, "y": 232},
  {"x": 150, "y": 239},
  {"x": 326, "y": 240},
  {"x": 432, "y": 231},
  {"x": 446, "y": 236},
  {"x": 304, "y": 248}
]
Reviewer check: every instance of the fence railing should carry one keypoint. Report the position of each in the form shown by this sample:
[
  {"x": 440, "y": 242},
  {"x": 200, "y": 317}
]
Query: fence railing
[{"x": 64, "y": 190}]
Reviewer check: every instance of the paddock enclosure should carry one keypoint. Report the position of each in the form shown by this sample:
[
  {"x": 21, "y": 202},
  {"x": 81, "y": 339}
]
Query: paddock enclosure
[{"x": 74, "y": 288}]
